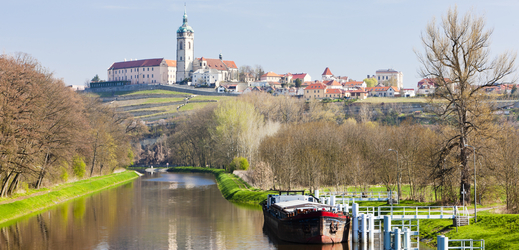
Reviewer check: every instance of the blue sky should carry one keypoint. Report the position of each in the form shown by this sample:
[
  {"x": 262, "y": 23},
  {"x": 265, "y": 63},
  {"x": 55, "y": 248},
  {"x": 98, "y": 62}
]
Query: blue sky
[{"x": 79, "y": 39}]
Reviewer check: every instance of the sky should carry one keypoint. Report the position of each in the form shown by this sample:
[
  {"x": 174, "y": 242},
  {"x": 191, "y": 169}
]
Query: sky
[{"x": 79, "y": 39}]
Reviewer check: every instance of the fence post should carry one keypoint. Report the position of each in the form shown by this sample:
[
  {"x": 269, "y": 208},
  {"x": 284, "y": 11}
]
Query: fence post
[
  {"x": 355, "y": 220},
  {"x": 442, "y": 242},
  {"x": 397, "y": 239},
  {"x": 363, "y": 228},
  {"x": 387, "y": 233},
  {"x": 407, "y": 238},
  {"x": 371, "y": 220}
]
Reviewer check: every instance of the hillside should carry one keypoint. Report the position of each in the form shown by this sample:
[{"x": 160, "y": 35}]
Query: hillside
[{"x": 154, "y": 105}]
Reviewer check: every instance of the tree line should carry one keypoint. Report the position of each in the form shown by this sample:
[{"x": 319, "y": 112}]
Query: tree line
[
  {"x": 48, "y": 132},
  {"x": 292, "y": 144}
]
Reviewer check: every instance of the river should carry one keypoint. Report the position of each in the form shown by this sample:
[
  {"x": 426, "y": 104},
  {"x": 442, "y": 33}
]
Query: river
[{"x": 156, "y": 211}]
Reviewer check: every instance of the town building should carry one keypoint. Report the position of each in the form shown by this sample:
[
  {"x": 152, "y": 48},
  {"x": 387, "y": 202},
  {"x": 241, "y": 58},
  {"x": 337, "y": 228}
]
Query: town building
[
  {"x": 353, "y": 85},
  {"x": 209, "y": 77},
  {"x": 379, "y": 91},
  {"x": 408, "y": 93},
  {"x": 390, "y": 77},
  {"x": 359, "y": 93},
  {"x": 147, "y": 71},
  {"x": 304, "y": 77},
  {"x": 227, "y": 69},
  {"x": 315, "y": 90},
  {"x": 270, "y": 77}
]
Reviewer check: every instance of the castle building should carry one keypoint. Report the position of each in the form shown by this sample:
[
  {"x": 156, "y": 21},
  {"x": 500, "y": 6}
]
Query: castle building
[
  {"x": 163, "y": 71},
  {"x": 147, "y": 71}
]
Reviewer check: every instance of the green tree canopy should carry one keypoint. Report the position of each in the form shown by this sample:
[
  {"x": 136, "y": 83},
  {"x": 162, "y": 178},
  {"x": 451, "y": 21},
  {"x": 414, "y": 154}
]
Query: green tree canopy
[{"x": 371, "y": 82}]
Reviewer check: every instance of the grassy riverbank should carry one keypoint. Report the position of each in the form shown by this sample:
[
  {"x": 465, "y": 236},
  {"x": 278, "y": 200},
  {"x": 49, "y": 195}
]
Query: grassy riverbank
[
  {"x": 232, "y": 187},
  {"x": 500, "y": 231},
  {"x": 21, "y": 206}
]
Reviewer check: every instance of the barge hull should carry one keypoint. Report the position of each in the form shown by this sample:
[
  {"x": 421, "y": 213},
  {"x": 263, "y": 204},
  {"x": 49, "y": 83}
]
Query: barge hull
[{"x": 315, "y": 227}]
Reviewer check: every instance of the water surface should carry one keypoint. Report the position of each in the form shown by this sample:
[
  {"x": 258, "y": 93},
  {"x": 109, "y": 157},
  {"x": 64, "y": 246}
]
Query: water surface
[{"x": 159, "y": 211}]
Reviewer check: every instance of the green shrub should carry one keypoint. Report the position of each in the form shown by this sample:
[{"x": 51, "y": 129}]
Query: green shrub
[
  {"x": 64, "y": 174},
  {"x": 78, "y": 166},
  {"x": 238, "y": 163}
]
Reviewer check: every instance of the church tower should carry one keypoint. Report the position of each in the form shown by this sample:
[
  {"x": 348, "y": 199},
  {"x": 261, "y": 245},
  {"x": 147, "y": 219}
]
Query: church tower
[{"x": 185, "y": 50}]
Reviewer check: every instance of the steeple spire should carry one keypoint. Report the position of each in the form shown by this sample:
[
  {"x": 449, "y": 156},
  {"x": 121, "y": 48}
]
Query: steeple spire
[{"x": 185, "y": 27}]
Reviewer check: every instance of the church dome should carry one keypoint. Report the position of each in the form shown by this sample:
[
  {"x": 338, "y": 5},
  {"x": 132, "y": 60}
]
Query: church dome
[{"x": 185, "y": 27}]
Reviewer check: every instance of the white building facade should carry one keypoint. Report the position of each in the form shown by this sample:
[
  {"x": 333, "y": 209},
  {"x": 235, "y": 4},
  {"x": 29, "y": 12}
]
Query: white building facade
[
  {"x": 146, "y": 71},
  {"x": 211, "y": 77},
  {"x": 387, "y": 76}
]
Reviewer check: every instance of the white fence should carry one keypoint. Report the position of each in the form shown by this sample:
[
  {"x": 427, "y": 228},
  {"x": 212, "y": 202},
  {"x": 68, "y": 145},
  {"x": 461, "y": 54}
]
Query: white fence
[{"x": 444, "y": 244}]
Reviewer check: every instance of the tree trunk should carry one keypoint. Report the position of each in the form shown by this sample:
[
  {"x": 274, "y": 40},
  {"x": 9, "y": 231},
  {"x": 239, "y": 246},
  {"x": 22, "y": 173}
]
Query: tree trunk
[
  {"x": 3, "y": 190},
  {"x": 13, "y": 185}
]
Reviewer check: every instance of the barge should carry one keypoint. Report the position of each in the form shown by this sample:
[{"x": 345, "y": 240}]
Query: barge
[{"x": 301, "y": 218}]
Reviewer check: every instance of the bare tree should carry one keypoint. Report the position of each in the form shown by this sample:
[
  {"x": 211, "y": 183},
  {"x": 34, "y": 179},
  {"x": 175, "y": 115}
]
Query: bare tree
[{"x": 457, "y": 57}]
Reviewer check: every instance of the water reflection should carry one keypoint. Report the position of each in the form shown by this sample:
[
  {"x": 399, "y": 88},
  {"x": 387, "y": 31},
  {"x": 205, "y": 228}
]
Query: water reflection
[{"x": 159, "y": 211}]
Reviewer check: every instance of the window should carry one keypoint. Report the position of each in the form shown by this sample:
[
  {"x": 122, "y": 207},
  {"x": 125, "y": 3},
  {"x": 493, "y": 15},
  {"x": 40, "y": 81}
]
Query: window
[
  {"x": 151, "y": 75},
  {"x": 180, "y": 45},
  {"x": 180, "y": 58},
  {"x": 148, "y": 76},
  {"x": 189, "y": 43}
]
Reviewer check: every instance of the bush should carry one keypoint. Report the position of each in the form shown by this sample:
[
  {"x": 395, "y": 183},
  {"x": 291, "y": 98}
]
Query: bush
[
  {"x": 238, "y": 163},
  {"x": 64, "y": 174},
  {"x": 78, "y": 166}
]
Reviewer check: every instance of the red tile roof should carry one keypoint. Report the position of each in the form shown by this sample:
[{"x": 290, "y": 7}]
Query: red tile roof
[
  {"x": 316, "y": 86},
  {"x": 332, "y": 83},
  {"x": 327, "y": 72},
  {"x": 381, "y": 88},
  {"x": 171, "y": 63},
  {"x": 299, "y": 76},
  {"x": 230, "y": 64},
  {"x": 333, "y": 91},
  {"x": 214, "y": 63},
  {"x": 270, "y": 74},
  {"x": 352, "y": 83},
  {"x": 360, "y": 90},
  {"x": 137, "y": 63}
]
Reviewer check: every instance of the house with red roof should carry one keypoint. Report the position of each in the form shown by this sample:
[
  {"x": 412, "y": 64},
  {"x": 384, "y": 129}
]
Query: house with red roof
[
  {"x": 304, "y": 77},
  {"x": 327, "y": 74},
  {"x": 227, "y": 69},
  {"x": 333, "y": 93},
  {"x": 271, "y": 77},
  {"x": 333, "y": 84},
  {"x": 359, "y": 93},
  {"x": 315, "y": 90},
  {"x": 146, "y": 71},
  {"x": 382, "y": 91},
  {"x": 353, "y": 85}
]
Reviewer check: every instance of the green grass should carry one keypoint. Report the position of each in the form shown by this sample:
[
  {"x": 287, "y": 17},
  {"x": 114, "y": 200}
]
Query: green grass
[
  {"x": 163, "y": 100},
  {"x": 499, "y": 231},
  {"x": 231, "y": 186},
  {"x": 205, "y": 98},
  {"x": 141, "y": 92},
  {"x": 193, "y": 105},
  {"x": 61, "y": 193},
  {"x": 153, "y": 92}
]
